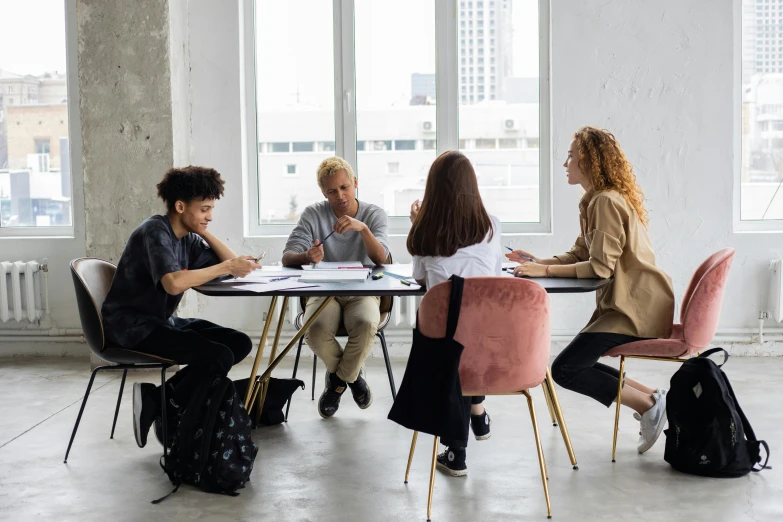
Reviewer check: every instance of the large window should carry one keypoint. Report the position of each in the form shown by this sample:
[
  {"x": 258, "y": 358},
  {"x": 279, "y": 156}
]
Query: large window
[
  {"x": 388, "y": 85},
  {"x": 35, "y": 171},
  {"x": 503, "y": 110},
  {"x": 761, "y": 116},
  {"x": 294, "y": 84}
]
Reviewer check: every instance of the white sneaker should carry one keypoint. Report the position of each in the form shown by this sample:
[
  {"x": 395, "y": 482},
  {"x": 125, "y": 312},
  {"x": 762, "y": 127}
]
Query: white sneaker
[{"x": 652, "y": 423}]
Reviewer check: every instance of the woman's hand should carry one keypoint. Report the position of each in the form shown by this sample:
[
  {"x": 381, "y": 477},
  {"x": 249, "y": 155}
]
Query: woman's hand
[
  {"x": 520, "y": 256},
  {"x": 530, "y": 270},
  {"x": 415, "y": 207}
]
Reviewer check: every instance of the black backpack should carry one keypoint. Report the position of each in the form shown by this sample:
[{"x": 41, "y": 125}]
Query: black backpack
[
  {"x": 212, "y": 448},
  {"x": 708, "y": 432}
]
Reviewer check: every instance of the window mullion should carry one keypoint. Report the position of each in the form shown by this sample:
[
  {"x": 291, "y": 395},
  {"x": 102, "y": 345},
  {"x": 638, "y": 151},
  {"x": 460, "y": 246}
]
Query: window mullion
[
  {"x": 345, "y": 81},
  {"x": 447, "y": 107}
]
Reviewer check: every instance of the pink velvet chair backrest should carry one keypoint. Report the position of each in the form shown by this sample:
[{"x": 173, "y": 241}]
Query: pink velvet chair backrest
[
  {"x": 504, "y": 326},
  {"x": 701, "y": 304}
]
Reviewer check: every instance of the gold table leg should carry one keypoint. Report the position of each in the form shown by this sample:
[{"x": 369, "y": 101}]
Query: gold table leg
[
  {"x": 272, "y": 365},
  {"x": 273, "y": 353},
  {"x": 259, "y": 354}
]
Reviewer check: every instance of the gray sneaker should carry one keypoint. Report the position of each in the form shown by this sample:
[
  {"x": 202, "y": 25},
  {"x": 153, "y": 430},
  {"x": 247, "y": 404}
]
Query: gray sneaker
[{"x": 652, "y": 422}]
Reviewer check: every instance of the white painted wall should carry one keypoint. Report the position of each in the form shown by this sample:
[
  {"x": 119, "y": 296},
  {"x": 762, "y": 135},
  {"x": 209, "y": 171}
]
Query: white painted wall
[{"x": 660, "y": 75}]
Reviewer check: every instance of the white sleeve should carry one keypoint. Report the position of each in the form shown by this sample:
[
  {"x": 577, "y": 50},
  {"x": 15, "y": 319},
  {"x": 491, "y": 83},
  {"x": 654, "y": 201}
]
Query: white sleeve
[
  {"x": 419, "y": 272},
  {"x": 498, "y": 247}
]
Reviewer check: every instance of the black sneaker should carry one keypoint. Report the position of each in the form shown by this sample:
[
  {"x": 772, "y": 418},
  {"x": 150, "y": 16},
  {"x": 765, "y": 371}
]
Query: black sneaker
[
  {"x": 330, "y": 398},
  {"x": 452, "y": 462},
  {"x": 480, "y": 425},
  {"x": 361, "y": 392},
  {"x": 145, "y": 409}
]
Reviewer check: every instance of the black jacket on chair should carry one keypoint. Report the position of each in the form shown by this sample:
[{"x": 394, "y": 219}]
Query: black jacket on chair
[{"x": 430, "y": 397}]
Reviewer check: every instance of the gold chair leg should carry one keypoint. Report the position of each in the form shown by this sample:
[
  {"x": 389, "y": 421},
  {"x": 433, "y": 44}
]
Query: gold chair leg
[
  {"x": 259, "y": 353},
  {"x": 432, "y": 478},
  {"x": 549, "y": 406},
  {"x": 410, "y": 455},
  {"x": 617, "y": 410},
  {"x": 541, "y": 461},
  {"x": 550, "y": 390}
]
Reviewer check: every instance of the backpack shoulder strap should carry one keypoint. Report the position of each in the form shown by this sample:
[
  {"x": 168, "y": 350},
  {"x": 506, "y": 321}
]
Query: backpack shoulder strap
[
  {"x": 749, "y": 433},
  {"x": 706, "y": 354},
  {"x": 455, "y": 305}
]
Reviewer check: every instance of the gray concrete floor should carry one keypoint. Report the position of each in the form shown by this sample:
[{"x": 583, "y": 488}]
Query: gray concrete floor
[{"x": 352, "y": 466}]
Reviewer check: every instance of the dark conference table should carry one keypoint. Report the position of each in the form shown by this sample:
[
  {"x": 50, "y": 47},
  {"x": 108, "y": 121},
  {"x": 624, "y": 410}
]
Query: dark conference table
[{"x": 386, "y": 286}]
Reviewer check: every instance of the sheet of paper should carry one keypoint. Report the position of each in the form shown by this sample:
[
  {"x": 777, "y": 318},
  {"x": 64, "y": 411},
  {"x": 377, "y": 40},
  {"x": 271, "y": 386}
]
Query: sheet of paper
[
  {"x": 335, "y": 265},
  {"x": 263, "y": 288},
  {"x": 263, "y": 275}
]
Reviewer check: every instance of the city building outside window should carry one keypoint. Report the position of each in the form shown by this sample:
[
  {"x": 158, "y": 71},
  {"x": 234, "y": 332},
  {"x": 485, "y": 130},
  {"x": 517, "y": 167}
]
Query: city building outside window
[
  {"x": 759, "y": 187},
  {"x": 35, "y": 166},
  {"x": 385, "y": 126}
]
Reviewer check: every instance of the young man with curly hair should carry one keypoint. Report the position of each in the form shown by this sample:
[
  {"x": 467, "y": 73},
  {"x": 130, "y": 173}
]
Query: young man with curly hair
[
  {"x": 360, "y": 236},
  {"x": 166, "y": 255}
]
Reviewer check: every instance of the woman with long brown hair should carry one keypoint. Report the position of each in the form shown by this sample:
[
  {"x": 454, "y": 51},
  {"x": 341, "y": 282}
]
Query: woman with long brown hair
[
  {"x": 452, "y": 234},
  {"x": 637, "y": 304}
]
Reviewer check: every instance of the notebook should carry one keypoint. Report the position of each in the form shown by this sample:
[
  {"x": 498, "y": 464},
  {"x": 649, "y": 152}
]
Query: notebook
[
  {"x": 335, "y": 265},
  {"x": 335, "y": 276}
]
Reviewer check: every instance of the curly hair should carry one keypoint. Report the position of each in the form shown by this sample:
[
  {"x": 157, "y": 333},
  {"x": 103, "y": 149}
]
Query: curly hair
[
  {"x": 602, "y": 160},
  {"x": 188, "y": 183}
]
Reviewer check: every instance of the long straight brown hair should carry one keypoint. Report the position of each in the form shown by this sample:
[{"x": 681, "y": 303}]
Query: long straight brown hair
[{"x": 452, "y": 215}]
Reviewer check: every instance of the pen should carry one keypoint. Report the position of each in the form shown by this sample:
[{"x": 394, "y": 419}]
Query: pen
[
  {"x": 406, "y": 283},
  {"x": 327, "y": 237},
  {"x": 521, "y": 255},
  {"x": 280, "y": 278},
  {"x": 259, "y": 258}
]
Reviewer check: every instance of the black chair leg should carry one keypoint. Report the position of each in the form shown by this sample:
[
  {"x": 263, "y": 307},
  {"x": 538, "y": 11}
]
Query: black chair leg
[
  {"x": 315, "y": 363},
  {"x": 296, "y": 366},
  {"x": 81, "y": 410},
  {"x": 382, "y": 337},
  {"x": 163, "y": 417},
  {"x": 119, "y": 400}
]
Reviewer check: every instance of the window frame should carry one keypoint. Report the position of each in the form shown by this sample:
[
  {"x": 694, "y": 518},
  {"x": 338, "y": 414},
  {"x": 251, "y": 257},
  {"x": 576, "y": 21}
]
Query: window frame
[
  {"x": 74, "y": 142},
  {"x": 743, "y": 225},
  {"x": 345, "y": 116}
]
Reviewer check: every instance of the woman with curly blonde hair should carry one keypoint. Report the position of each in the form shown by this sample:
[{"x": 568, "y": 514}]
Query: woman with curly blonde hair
[{"x": 613, "y": 243}]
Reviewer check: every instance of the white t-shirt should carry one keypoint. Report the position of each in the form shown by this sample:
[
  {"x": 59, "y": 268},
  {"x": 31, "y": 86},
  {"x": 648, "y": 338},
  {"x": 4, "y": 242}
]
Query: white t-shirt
[{"x": 481, "y": 259}]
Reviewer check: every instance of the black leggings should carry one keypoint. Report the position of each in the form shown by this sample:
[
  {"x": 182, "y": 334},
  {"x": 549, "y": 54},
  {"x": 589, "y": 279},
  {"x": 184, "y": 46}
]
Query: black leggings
[
  {"x": 577, "y": 367},
  {"x": 467, "y": 402},
  {"x": 207, "y": 349}
]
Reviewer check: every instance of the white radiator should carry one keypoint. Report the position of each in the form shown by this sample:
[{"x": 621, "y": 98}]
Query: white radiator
[
  {"x": 776, "y": 291},
  {"x": 20, "y": 291}
]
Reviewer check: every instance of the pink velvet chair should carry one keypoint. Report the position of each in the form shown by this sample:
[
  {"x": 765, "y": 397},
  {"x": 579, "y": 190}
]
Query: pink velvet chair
[
  {"x": 505, "y": 329},
  {"x": 699, "y": 316}
]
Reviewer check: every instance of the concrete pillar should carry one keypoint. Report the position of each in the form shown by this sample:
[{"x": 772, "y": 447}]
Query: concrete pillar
[{"x": 126, "y": 116}]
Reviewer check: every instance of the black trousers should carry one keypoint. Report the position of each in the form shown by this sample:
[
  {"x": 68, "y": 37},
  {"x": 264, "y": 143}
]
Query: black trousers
[
  {"x": 577, "y": 367},
  {"x": 207, "y": 349},
  {"x": 467, "y": 402}
]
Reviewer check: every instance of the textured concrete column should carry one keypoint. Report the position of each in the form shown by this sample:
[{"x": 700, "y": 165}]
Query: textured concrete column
[{"x": 126, "y": 116}]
